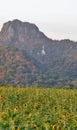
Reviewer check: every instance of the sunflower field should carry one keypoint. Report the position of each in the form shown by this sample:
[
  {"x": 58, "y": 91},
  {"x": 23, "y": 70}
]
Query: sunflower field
[{"x": 37, "y": 109}]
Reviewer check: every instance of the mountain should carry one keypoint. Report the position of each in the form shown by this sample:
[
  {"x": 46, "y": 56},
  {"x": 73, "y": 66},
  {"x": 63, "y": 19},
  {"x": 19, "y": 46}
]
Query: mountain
[{"x": 27, "y": 55}]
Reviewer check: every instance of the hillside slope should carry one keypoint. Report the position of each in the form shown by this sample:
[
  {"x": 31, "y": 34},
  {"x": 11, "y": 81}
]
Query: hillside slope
[
  {"x": 27, "y": 55},
  {"x": 17, "y": 67}
]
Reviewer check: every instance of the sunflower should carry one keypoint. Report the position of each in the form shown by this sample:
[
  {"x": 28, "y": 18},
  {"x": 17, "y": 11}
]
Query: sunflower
[
  {"x": 35, "y": 127},
  {"x": 16, "y": 109},
  {"x": 1, "y": 96},
  {"x": 59, "y": 121},
  {"x": 2, "y": 114},
  {"x": 30, "y": 115},
  {"x": 25, "y": 105},
  {"x": 54, "y": 127},
  {"x": 15, "y": 128}
]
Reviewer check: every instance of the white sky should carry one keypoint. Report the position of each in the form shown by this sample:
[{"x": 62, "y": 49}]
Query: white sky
[{"x": 56, "y": 18}]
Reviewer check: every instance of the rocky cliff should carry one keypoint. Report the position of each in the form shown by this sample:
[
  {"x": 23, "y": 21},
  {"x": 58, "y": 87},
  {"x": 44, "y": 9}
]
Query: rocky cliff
[{"x": 57, "y": 58}]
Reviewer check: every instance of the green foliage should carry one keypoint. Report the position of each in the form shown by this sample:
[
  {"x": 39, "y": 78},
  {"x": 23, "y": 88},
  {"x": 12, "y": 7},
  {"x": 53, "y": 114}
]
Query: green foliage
[{"x": 37, "y": 108}]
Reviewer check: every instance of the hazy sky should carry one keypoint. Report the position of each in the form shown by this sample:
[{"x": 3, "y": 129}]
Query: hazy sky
[{"x": 56, "y": 18}]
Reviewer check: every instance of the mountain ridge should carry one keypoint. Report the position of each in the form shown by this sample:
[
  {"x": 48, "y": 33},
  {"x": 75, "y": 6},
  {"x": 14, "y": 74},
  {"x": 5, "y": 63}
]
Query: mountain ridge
[{"x": 56, "y": 58}]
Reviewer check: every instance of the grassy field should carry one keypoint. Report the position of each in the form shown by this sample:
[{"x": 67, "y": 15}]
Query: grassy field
[{"x": 38, "y": 109}]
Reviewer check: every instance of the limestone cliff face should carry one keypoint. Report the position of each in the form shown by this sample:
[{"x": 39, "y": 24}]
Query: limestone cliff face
[
  {"x": 6, "y": 33},
  {"x": 23, "y": 32},
  {"x": 27, "y": 36}
]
